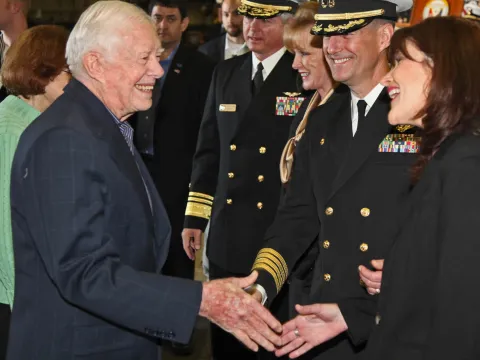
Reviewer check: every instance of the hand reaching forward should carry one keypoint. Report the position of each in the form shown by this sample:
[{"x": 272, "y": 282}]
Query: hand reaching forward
[
  {"x": 372, "y": 279},
  {"x": 314, "y": 325},
  {"x": 225, "y": 303}
]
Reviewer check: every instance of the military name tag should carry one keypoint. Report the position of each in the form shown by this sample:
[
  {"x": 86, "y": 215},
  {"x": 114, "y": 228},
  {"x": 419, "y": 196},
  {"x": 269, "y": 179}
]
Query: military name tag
[
  {"x": 227, "y": 107},
  {"x": 288, "y": 105},
  {"x": 400, "y": 143}
]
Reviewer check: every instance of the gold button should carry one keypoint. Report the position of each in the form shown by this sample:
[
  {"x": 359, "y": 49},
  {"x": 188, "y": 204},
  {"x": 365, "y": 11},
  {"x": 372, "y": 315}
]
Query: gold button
[
  {"x": 322, "y": 141},
  {"x": 363, "y": 247},
  {"x": 260, "y": 178},
  {"x": 365, "y": 212},
  {"x": 233, "y": 147},
  {"x": 262, "y": 150},
  {"x": 327, "y": 277},
  {"x": 229, "y": 201},
  {"x": 329, "y": 211},
  {"x": 260, "y": 205},
  {"x": 326, "y": 244},
  {"x": 231, "y": 175}
]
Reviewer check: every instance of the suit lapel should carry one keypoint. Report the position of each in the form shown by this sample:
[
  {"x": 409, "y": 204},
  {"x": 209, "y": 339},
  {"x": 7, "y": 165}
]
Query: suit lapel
[
  {"x": 243, "y": 89},
  {"x": 103, "y": 126},
  {"x": 221, "y": 47},
  {"x": 365, "y": 141}
]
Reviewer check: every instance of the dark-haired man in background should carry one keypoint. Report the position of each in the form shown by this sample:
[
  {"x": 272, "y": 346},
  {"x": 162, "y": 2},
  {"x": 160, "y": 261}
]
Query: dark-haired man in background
[
  {"x": 166, "y": 134},
  {"x": 232, "y": 43}
]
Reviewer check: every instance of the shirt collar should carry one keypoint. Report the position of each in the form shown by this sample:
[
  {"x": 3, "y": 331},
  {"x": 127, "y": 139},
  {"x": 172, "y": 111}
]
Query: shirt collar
[
  {"x": 229, "y": 44},
  {"x": 268, "y": 64},
  {"x": 371, "y": 97},
  {"x": 172, "y": 54}
]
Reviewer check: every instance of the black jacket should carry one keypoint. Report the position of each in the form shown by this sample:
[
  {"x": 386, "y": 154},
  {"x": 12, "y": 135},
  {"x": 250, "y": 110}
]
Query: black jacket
[
  {"x": 215, "y": 48},
  {"x": 237, "y": 159},
  {"x": 342, "y": 202},
  {"x": 172, "y": 125},
  {"x": 428, "y": 306}
]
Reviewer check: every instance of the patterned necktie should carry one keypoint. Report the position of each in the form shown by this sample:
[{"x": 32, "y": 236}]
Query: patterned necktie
[{"x": 258, "y": 79}]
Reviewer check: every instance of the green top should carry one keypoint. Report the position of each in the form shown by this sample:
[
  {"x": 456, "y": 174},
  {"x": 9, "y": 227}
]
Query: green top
[{"x": 15, "y": 116}]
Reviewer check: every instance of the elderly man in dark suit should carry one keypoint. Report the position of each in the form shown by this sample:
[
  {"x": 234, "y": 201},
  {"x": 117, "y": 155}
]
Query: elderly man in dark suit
[
  {"x": 231, "y": 43},
  {"x": 90, "y": 231}
]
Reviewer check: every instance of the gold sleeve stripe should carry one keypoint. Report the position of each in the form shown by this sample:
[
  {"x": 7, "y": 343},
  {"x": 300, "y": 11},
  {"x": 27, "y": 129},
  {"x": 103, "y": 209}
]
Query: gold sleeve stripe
[
  {"x": 199, "y": 210},
  {"x": 200, "y": 195},
  {"x": 198, "y": 200},
  {"x": 268, "y": 258},
  {"x": 267, "y": 268},
  {"x": 277, "y": 255},
  {"x": 278, "y": 271}
]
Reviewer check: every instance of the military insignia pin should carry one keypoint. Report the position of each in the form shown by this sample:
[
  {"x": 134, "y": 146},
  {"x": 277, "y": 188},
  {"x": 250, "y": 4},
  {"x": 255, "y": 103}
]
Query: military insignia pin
[{"x": 288, "y": 105}]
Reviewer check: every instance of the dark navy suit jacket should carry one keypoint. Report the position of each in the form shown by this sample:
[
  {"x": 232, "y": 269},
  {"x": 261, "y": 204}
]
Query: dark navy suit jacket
[{"x": 88, "y": 244}]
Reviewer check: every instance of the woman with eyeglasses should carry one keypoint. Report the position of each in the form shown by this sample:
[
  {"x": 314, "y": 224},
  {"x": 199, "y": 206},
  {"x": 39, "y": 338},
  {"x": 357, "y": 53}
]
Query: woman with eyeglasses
[{"x": 34, "y": 73}]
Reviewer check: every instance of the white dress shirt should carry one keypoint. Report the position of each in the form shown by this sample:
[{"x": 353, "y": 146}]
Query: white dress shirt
[
  {"x": 232, "y": 49},
  {"x": 268, "y": 64},
  {"x": 369, "y": 99}
]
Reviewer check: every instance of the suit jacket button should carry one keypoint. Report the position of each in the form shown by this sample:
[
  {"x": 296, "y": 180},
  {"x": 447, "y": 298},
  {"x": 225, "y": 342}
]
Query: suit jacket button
[
  {"x": 365, "y": 212},
  {"x": 231, "y": 175},
  {"x": 322, "y": 141},
  {"x": 327, "y": 277},
  {"x": 233, "y": 147},
  {"x": 363, "y": 247},
  {"x": 326, "y": 244},
  {"x": 378, "y": 318},
  {"x": 260, "y": 178},
  {"x": 229, "y": 201},
  {"x": 259, "y": 205},
  {"x": 329, "y": 211},
  {"x": 262, "y": 150}
]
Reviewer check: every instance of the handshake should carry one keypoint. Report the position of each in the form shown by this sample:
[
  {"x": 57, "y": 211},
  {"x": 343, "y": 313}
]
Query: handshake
[{"x": 225, "y": 303}]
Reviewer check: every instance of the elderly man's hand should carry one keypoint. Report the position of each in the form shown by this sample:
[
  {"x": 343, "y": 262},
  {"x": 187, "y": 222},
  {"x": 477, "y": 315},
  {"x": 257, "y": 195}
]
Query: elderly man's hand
[
  {"x": 372, "y": 279},
  {"x": 225, "y": 303},
  {"x": 314, "y": 325}
]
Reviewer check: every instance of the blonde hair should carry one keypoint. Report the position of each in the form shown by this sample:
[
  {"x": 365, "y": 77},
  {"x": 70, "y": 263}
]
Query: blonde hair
[{"x": 304, "y": 19}]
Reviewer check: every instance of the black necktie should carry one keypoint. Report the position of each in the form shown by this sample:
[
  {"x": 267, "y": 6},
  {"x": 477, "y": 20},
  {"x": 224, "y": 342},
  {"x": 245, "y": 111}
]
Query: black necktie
[
  {"x": 258, "y": 79},
  {"x": 361, "y": 106}
]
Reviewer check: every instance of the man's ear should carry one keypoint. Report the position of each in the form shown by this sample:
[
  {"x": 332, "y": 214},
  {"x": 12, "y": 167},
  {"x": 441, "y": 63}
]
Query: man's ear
[
  {"x": 386, "y": 33},
  {"x": 94, "y": 65},
  {"x": 184, "y": 24}
]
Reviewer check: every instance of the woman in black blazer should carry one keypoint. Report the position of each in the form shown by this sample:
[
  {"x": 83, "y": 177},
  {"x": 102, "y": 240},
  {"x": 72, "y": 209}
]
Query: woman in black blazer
[
  {"x": 430, "y": 294},
  {"x": 429, "y": 306}
]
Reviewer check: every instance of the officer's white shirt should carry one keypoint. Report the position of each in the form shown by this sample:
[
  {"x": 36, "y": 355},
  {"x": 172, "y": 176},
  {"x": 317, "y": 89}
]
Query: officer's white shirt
[
  {"x": 370, "y": 99},
  {"x": 268, "y": 64}
]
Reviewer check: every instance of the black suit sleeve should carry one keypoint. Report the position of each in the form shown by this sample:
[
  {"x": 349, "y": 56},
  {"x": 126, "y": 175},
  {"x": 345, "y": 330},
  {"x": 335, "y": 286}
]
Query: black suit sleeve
[
  {"x": 295, "y": 226},
  {"x": 455, "y": 315},
  {"x": 205, "y": 166},
  {"x": 70, "y": 196}
]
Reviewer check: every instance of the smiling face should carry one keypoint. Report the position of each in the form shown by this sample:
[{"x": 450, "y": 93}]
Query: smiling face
[
  {"x": 356, "y": 58},
  {"x": 264, "y": 37},
  {"x": 310, "y": 63},
  {"x": 408, "y": 85},
  {"x": 128, "y": 76}
]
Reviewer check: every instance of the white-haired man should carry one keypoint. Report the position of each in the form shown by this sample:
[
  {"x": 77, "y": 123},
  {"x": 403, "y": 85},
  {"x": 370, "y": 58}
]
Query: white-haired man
[{"x": 90, "y": 231}]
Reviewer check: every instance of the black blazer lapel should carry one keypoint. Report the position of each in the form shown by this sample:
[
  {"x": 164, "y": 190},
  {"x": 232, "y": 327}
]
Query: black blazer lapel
[
  {"x": 366, "y": 141},
  {"x": 172, "y": 77},
  {"x": 221, "y": 47},
  {"x": 242, "y": 78}
]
